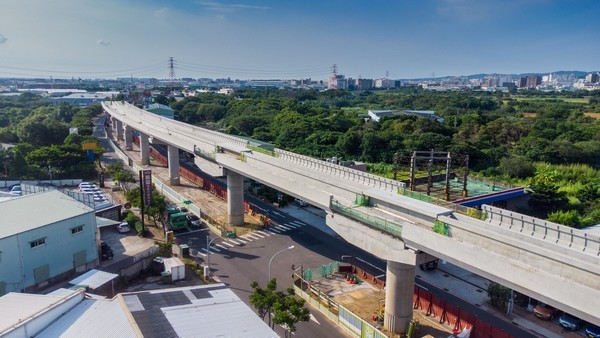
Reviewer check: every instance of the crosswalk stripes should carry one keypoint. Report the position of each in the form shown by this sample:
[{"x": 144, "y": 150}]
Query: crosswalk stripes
[
  {"x": 243, "y": 240},
  {"x": 284, "y": 227},
  {"x": 220, "y": 246},
  {"x": 255, "y": 234},
  {"x": 250, "y": 237},
  {"x": 273, "y": 230},
  {"x": 235, "y": 242},
  {"x": 298, "y": 223},
  {"x": 228, "y": 244},
  {"x": 295, "y": 226},
  {"x": 212, "y": 249},
  {"x": 262, "y": 232}
]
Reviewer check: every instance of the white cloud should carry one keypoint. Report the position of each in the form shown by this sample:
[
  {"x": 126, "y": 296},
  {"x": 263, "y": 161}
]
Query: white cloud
[
  {"x": 3, "y": 39},
  {"x": 102, "y": 42},
  {"x": 160, "y": 13},
  {"x": 220, "y": 7}
]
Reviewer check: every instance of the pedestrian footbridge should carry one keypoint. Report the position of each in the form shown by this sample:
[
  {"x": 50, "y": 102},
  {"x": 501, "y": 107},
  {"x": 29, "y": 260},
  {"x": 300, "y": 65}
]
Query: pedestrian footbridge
[{"x": 550, "y": 262}]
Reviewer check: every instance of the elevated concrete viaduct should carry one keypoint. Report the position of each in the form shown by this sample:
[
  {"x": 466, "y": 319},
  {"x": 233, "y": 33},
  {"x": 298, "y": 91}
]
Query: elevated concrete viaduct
[{"x": 552, "y": 263}]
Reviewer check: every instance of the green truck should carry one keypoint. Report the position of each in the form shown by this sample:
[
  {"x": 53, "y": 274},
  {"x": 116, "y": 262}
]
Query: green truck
[{"x": 176, "y": 219}]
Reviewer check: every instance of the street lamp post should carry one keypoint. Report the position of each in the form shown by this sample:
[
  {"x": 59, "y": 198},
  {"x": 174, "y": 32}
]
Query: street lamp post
[
  {"x": 208, "y": 242},
  {"x": 277, "y": 253}
]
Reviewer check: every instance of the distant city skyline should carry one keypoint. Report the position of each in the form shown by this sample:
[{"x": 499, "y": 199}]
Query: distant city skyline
[{"x": 296, "y": 39}]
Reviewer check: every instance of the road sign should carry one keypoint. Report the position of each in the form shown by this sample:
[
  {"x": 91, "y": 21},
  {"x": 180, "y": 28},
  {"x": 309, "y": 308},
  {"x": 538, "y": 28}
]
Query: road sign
[{"x": 147, "y": 186}]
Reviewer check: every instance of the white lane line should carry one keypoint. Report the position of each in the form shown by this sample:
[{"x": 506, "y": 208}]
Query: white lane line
[
  {"x": 380, "y": 275},
  {"x": 257, "y": 235},
  {"x": 229, "y": 244},
  {"x": 264, "y": 233},
  {"x": 220, "y": 246},
  {"x": 298, "y": 222},
  {"x": 235, "y": 242},
  {"x": 285, "y": 227},
  {"x": 273, "y": 231},
  {"x": 212, "y": 249}
]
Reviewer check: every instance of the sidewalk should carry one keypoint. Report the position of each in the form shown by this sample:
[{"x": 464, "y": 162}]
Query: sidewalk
[{"x": 459, "y": 282}]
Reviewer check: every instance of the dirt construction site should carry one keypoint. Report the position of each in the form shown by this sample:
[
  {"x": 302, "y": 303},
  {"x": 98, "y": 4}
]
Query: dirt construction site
[{"x": 368, "y": 301}]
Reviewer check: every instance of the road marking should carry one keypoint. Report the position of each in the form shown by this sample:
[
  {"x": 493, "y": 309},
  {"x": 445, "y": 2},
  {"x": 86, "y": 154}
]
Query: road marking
[
  {"x": 264, "y": 233},
  {"x": 362, "y": 260},
  {"x": 257, "y": 235},
  {"x": 243, "y": 240},
  {"x": 283, "y": 226},
  {"x": 228, "y": 244},
  {"x": 295, "y": 226},
  {"x": 200, "y": 254},
  {"x": 298, "y": 222},
  {"x": 275, "y": 213},
  {"x": 383, "y": 274},
  {"x": 212, "y": 249},
  {"x": 274, "y": 231},
  {"x": 314, "y": 319},
  {"x": 235, "y": 242},
  {"x": 220, "y": 246},
  {"x": 250, "y": 237}
]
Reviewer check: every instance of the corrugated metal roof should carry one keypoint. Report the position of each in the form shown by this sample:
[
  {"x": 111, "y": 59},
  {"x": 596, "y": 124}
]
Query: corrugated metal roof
[
  {"x": 92, "y": 318},
  {"x": 33, "y": 211},
  {"x": 16, "y": 307},
  {"x": 178, "y": 310},
  {"x": 105, "y": 222},
  {"x": 94, "y": 278}
]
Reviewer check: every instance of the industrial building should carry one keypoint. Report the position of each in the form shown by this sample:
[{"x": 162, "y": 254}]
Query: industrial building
[
  {"x": 194, "y": 311},
  {"x": 45, "y": 237}
]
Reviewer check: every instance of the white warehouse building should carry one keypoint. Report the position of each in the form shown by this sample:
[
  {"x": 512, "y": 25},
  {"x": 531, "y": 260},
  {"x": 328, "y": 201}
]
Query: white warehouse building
[{"x": 44, "y": 237}]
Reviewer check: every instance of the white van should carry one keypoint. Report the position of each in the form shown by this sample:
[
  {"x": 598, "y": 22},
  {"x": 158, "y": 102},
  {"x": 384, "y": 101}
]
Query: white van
[
  {"x": 300, "y": 203},
  {"x": 16, "y": 190}
]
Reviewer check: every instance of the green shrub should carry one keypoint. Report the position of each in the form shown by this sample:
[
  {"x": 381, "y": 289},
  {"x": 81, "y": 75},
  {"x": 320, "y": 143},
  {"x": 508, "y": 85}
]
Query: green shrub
[
  {"x": 138, "y": 227},
  {"x": 131, "y": 218}
]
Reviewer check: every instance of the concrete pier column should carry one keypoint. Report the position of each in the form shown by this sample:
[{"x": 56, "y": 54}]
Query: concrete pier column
[
  {"x": 119, "y": 130},
  {"x": 399, "y": 289},
  {"x": 235, "y": 198},
  {"x": 173, "y": 153},
  {"x": 128, "y": 138},
  {"x": 144, "y": 149},
  {"x": 113, "y": 122}
]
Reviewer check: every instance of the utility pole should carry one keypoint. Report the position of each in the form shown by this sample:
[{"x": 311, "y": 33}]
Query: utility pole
[{"x": 142, "y": 201}]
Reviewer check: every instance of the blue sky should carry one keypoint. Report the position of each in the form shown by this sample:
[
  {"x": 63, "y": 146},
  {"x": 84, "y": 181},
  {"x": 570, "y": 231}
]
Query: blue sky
[{"x": 296, "y": 39}]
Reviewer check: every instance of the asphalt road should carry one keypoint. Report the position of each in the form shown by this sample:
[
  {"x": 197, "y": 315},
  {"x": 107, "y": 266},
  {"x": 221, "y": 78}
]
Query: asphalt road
[
  {"x": 240, "y": 261},
  {"x": 238, "y": 265}
]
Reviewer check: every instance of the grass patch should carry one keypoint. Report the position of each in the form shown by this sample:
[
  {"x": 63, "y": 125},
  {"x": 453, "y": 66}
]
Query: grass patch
[
  {"x": 578, "y": 100},
  {"x": 593, "y": 115}
]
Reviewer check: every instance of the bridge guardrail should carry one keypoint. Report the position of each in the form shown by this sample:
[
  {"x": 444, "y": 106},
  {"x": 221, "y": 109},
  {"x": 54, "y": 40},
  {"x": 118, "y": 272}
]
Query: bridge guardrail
[
  {"x": 471, "y": 212},
  {"x": 387, "y": 226},
  {"x": 338, "y": 170},
  {"x": 543, "y": 229}
]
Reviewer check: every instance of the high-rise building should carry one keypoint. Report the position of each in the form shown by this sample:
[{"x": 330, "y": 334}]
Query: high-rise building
[
  {"x": 533, "y": 81},
  {"x": 363, "y": 84},
  {"x": 592, "y": 78}
]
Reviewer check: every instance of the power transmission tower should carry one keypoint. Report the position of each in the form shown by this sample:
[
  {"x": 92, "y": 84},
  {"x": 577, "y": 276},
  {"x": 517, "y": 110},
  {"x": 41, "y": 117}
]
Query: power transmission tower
[{"x": 171, "y": 72}]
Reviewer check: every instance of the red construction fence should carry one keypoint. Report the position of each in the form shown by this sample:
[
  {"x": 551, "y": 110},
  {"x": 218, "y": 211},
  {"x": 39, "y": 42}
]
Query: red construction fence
[{"x": 455, "y": 317}]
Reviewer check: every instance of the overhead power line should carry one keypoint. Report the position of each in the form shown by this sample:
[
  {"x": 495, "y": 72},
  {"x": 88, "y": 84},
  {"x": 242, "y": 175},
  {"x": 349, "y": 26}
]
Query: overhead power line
[{"x": 152, "y": 70}]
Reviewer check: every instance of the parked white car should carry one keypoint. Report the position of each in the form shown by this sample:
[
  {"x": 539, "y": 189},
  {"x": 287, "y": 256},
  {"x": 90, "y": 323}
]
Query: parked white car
[{"x": 123, "y": 227}]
